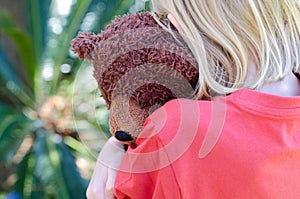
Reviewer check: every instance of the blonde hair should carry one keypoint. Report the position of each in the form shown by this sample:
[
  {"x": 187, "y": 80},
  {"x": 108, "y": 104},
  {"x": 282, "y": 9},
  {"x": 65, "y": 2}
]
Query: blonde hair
[{"x": 224, "y": 35}]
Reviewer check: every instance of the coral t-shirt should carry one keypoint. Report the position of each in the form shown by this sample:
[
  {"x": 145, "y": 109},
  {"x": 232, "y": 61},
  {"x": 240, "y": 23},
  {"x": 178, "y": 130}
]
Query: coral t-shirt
[{"x": 245, "y": 145}]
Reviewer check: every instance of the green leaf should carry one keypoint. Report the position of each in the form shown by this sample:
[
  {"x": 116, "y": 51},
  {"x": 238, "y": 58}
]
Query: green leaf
[
  {"x": 12, "y": 90},
  {"x": 122, "y": 7},
  {"x": 13, "y": 129},
  {"x": 74, "y": 20},
  {"x": 47, "y": 167},
  {"x": 112, "y": 8},
  {"x": 21, "y": 170},
  {"x": 25, "y": 50},
  {"x": 28, "y": 184},
  {"x": 5, "y": 111},
  {"x": 79, "y": 147},
  {"x": 23, "y": 44},
  {"x": 6, "y": 21},
  {"x": 39, "y": 13},
  {"x": 56, "y": 168},
  {"x": 7, "y": 72},
  {"x": 69, "y": 169}
]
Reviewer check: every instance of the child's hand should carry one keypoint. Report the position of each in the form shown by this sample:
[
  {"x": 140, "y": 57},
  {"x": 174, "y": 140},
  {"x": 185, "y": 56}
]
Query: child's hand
[{"x": 102, "y": 183}]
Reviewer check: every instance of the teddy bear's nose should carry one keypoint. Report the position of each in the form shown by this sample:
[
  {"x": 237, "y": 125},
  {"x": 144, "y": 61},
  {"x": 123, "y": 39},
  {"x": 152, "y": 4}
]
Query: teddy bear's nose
[{"x": 123, "y": 136}]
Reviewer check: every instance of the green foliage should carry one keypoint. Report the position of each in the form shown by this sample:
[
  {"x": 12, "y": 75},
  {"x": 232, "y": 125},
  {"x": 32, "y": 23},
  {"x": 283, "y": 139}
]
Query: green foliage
[
  {"x": 33, "y": 88},
  {"x": 22, "y": 41},
  {"x": 48, "y": 170},
  {"x": 13, "y": 129}
]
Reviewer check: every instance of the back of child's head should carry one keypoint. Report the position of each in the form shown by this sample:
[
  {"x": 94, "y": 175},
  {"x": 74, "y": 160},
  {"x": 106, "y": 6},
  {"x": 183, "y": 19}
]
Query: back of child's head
[{"x": 225, "y": 35}]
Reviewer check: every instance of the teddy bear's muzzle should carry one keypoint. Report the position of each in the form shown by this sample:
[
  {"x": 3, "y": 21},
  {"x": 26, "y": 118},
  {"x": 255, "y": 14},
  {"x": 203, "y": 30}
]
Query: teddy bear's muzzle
[{"x": 123, "y": 136}]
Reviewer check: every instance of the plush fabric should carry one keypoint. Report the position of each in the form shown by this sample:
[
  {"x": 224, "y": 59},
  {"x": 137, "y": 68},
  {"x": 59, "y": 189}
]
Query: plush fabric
[{"x": 139, "y": 66}]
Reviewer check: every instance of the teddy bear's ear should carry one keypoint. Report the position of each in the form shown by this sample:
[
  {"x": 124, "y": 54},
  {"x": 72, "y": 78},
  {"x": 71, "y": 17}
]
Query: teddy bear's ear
[{"x": 84, "y": 44}]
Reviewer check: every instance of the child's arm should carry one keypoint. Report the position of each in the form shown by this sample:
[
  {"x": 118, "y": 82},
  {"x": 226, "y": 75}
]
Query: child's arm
[{"x": 102, "y": 183}]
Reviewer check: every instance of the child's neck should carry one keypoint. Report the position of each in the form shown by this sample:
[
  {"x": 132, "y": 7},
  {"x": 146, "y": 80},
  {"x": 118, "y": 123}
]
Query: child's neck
[{"x": 288, "y": 86}]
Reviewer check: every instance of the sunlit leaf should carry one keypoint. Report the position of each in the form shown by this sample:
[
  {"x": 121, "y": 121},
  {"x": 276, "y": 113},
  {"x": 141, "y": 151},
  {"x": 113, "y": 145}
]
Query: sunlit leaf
[
  {"x": 74, "y": 19},
  {"x": 47, "y": 167},
  {"x": 38, "y": 29},
  {"x": 48, "y": 170},
  {"x": 72, "y": 177},
  {"x": 56, "y": 168},
  {"x": 79, "y": 147}
]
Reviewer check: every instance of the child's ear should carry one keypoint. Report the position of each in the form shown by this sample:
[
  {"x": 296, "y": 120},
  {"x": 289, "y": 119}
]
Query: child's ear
[{"x": 174, "y": 22}]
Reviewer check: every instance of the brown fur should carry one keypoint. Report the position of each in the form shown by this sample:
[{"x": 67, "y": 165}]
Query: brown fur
[{"x": 138, "y": 67}]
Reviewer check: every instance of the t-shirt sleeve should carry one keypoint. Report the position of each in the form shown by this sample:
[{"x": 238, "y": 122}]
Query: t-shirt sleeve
[
  {"x": 146, "y": 171},
  {"x": 146, "y": 177}
]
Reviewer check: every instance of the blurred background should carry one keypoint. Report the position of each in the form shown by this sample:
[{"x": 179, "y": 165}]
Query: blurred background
[{"x": 52, "y": 121}]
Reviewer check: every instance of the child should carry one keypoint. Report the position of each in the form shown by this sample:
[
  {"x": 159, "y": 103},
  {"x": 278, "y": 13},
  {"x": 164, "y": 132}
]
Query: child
[{"x": 245, "y": 142}]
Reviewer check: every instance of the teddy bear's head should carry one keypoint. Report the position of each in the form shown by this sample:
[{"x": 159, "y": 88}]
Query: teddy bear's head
[{"x": 139, "y": 66}]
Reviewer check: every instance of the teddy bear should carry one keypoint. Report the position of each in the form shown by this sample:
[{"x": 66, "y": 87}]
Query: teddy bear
[{"x": 139, "y": 66}]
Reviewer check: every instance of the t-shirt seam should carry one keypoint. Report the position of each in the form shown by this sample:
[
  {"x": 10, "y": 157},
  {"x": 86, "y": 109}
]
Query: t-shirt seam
[
  {"x": 170, "y": 165},
  {"x": 256, "y": 109}
]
